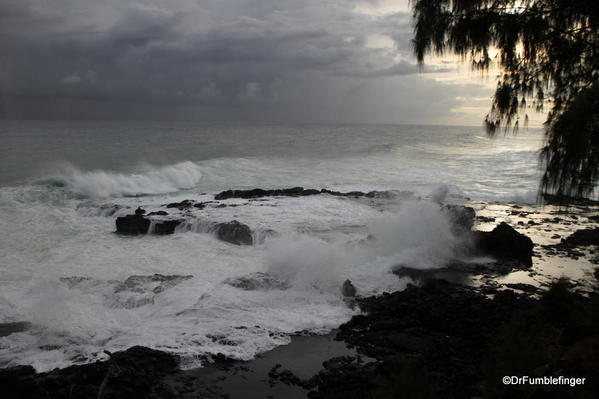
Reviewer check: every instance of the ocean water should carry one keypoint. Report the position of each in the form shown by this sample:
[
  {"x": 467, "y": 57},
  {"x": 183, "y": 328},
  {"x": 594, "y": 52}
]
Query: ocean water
[{"x": 62, "y": 185}]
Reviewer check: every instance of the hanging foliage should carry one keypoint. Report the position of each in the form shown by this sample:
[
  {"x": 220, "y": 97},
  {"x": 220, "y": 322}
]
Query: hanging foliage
[{"x": 548, "y": 54}]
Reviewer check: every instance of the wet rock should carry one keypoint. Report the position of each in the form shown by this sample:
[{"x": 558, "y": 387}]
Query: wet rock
[
  {"x": 166, "y": 226},
  {"x": 347, "y": 289},
  {"x": 185, "y": 204},
  {"x": 523, "y": 287},
  {"x": 140, "y": 224},
  {"x": 341, "y": 194},
  {"x": 134, "y": 373},
  {"x": 416, "y": 275},
  {"x": 583, "y": 237},
  {"x": 287, "y": 377},
  {"x": 257, "y": 281},
  {"x": 234, "y": 232},
  {"x": 344, "y": 377},
  {"x": 505, "y": 243},
  {"x": 447, "y": 326},
  {"x": 158, "y": 213},
  {"x": 15, "y": 327},
  {"x": 258, "y": 193},
  {"x": 133, "y": 224},
  {"x": 293, "y": 192}
]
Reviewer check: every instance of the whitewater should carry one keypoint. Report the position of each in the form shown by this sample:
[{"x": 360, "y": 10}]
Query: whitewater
[{"x": 84, "y": 289}]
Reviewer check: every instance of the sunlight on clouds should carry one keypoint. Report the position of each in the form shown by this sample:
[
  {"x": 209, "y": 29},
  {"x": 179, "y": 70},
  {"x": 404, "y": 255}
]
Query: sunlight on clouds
[
  {"x": 379, "y": 8},
  {"x": 379, "y": 41}
]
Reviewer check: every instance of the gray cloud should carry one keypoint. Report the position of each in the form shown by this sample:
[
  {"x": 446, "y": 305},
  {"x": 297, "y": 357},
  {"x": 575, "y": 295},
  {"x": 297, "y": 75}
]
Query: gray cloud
[{"x": 257, "y": 59}]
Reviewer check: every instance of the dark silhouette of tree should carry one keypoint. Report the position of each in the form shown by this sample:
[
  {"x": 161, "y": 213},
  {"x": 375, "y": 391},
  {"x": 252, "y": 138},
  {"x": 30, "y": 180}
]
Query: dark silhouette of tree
[{"x": 548, "y": 54}]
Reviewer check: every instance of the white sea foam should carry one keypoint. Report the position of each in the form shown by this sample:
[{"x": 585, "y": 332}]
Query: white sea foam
[{"x": 320, "y": 242}]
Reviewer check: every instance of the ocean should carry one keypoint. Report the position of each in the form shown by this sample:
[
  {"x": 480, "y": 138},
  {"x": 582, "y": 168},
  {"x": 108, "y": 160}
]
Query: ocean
[{"x": 85, "y": 289}]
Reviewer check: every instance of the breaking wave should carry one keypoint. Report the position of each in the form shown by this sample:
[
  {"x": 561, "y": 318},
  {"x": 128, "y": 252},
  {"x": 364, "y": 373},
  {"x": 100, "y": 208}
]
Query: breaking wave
[{"x": 148, "y": 181}]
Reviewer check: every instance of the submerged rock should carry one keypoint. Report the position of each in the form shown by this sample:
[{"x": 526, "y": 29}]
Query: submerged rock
[
  {"x": 141, "y": 290},
  {"x": 166, "y": 226},
  {"x": 140, "y": 283},
  {"x": 234, "y": 232},
  {"x": 505, "y": 243},
  {"x": 257, "y": 281},
  {"x": 158, "y": 213},
  {"x": 15, "y": 327},
  {"x": 73, "y": 281},
  {"x": 185, "y": 204},
  {"x": 91, "y": 208}
]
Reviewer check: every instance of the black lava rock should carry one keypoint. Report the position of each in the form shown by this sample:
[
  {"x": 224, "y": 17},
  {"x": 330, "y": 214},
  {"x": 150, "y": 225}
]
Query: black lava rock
[
  {"x": 133, "y": 224},
  {"x": 505, "y": 243},
  {"x": 583, "y": 237},
  {"x": 292, "y": 192},
  {"x": 235, "y": 233},
  {"x": 166, "y": 227},
  {"x": 134, "y": 373}
]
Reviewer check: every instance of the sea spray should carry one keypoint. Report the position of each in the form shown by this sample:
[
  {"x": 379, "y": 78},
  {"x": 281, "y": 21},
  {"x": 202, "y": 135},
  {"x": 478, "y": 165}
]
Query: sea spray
[
  {"x": 419, "y": 235},
  {"x": 307, "y": 262}
]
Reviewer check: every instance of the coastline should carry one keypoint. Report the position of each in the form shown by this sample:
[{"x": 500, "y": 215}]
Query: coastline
[{"x": 300, "y": 369}]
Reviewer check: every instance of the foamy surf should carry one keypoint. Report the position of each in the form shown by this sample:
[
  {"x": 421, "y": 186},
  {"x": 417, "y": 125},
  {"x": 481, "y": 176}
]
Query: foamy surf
[{"x": 175, "y": 293}]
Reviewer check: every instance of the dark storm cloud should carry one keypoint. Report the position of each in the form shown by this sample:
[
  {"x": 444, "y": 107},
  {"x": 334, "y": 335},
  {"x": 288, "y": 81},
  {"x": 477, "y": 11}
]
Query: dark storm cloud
[{"x": 210, "y": 53}]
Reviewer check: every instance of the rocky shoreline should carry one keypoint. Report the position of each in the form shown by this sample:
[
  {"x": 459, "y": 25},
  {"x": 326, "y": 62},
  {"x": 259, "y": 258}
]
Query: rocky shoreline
[
  {"x": 439, "y": 340},
  {"x": 449, "y": 335}
]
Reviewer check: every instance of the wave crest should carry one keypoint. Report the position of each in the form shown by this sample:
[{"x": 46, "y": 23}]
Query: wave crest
[{"x": 151, "y": 180}]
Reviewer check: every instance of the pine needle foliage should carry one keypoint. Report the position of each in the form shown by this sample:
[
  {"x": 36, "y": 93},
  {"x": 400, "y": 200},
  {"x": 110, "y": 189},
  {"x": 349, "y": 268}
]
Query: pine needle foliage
[{"x": 548, "y": 55}]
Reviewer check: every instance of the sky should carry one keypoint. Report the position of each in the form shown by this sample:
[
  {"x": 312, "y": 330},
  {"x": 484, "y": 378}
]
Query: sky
[{"x": 331, "y": 61}]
